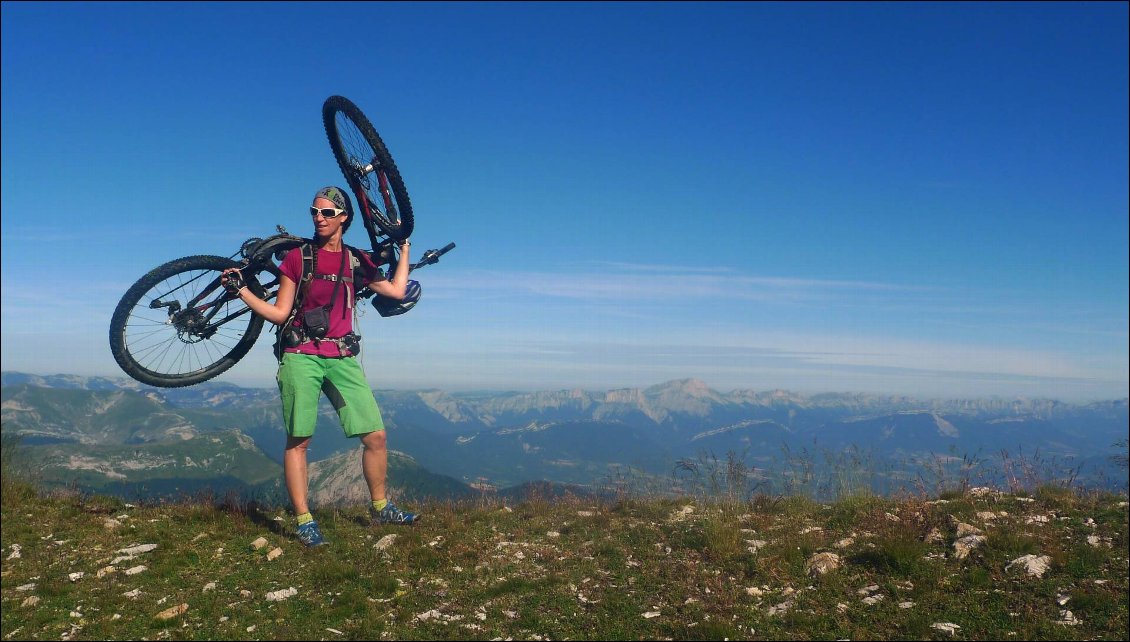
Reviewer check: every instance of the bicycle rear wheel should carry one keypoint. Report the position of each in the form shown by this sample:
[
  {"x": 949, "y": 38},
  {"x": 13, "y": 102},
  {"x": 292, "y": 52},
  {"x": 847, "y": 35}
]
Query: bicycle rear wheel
[
  {"x": 177, "y": 326},
  {"x": 382, "y": 200}
]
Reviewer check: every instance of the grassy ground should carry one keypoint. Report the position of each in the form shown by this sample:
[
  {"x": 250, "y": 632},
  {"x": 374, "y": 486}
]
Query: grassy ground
[{"x": 569, "y": 569}]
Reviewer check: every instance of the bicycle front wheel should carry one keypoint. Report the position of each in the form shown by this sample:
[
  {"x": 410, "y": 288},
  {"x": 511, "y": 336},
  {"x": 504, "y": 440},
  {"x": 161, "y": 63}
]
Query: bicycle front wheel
[
  {"x": 178, "y": 326},
  {"x": 382, "y": 199}
]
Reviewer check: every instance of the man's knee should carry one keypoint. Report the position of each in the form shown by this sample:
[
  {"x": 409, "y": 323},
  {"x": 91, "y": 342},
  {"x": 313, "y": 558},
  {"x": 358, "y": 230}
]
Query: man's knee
[
  {"x": 374, "y": 440},
  {"x": 297, "y": 443}
]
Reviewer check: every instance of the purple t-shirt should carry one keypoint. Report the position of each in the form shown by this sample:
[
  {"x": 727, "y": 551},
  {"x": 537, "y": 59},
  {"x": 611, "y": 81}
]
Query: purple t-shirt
[{"x": 321, "y": 290}]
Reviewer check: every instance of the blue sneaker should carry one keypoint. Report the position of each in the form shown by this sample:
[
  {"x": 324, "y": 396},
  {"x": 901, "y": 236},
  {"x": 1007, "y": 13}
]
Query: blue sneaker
[
  {"x": 310, "y": 535},
  {"x": 390, "y": 514}
]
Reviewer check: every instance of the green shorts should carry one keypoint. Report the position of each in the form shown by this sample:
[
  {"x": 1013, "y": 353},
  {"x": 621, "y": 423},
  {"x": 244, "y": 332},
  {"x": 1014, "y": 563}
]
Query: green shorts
[{"x": 302, "y": 380}]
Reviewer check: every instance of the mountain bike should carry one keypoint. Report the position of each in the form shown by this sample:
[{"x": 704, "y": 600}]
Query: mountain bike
[{"x": 178, "y": 325}]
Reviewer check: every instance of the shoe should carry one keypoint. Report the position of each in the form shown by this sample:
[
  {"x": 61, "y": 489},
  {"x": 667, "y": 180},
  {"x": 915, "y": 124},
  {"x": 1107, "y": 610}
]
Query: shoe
[
  {"x": 390, "y": 514},
  {"x": 310, "y": 535}
]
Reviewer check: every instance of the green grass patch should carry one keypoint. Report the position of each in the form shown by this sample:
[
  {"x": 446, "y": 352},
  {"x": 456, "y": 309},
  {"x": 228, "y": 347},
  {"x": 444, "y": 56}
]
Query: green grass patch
[{"x": 630, "y": 570}]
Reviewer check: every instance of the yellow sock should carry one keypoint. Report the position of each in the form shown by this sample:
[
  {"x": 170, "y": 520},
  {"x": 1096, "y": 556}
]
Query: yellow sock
[
  {"x": 379, "y": 504},
  {"x": 305, "y": 518}
]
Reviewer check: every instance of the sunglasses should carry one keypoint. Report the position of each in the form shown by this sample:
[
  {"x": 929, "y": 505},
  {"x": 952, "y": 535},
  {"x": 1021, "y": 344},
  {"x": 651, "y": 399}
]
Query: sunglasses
[{"x": 326, "y": 212}]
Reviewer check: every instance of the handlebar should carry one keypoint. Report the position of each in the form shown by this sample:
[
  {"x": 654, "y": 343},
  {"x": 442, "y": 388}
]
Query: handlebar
[{"x": 432, "y": 256}]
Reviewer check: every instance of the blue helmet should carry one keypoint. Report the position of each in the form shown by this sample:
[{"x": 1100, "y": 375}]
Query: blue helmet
[{"x": 389, "y": 307}]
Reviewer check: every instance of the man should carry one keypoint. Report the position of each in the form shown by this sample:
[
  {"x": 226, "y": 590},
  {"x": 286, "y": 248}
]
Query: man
[{"x": 318, "y": 353}]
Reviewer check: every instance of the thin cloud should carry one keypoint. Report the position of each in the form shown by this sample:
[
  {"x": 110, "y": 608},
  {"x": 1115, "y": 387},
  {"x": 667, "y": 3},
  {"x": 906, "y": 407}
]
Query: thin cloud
[{"x": 658, "y": 284}]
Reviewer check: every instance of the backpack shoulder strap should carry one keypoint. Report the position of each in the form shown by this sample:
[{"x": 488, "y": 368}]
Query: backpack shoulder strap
[
  {"x": 309, "y": 265},
  {"x": 354, "y": 258}
]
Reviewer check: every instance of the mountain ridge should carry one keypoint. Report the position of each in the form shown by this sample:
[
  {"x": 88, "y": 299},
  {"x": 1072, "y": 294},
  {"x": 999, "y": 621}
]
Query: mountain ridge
[{"x": 574, "y": 436}]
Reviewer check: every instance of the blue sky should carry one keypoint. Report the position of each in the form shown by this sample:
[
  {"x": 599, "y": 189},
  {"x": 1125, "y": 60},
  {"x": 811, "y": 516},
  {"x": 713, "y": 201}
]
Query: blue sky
[{"x": 923, "y": 199}]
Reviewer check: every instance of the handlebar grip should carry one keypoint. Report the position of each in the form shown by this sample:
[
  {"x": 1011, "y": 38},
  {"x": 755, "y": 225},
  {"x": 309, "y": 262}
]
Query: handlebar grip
[{"x": 447, "y": 248}]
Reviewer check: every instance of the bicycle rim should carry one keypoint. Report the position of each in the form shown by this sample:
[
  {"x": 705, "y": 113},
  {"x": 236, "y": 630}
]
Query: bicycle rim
[
  {"x": 382, "y": 200},
  {"x": 176, "y": 326}
]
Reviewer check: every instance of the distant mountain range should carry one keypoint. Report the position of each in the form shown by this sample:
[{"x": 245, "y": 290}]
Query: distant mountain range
[{"x": 102, "y": 432}]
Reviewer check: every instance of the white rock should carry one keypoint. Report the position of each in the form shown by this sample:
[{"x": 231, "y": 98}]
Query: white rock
[
  {"x": 946, "y": 627},
  {"x": 964, "y": 529},
  {"x": 553, "y": 534},
  {"x": 74, "y": 577},
  {"x": 778, "y": 609},
  {"x": 822, "y": 564},
  {"x": 1096, "y": 541},
  {"x": 103, "y": 572},
  {"x": 172, "y": 612},
  {"x": 277, "y": 596},
  {"x": 755, "y": 545},
  {"x": 753, "y": 591},
  {"x": 26, "y": 587},
  {"x": 137, "y": 550},
  {"x": 110, "y": 523},
  {"x": 427, "y": 615},
  {"x": 965, "y": 545},
  {"x": 135, "y": 570},
  {"x": 844, "y": 543},
  {"x": 275, "y": 552},
  {"x": 652, "y": 614},
  {"x": 871, "y": 600},
  {"x": 30, "y": 600},
  {"x": 15, "y": 554},
  {"x": 867, "y": 590},
  {"x": 1037, "y": 519},
  {"x": 1068, "y": 618},
  {"x": 209, "y": 587},
  {"x": 133, "y": 595},
  {"x": 1034, "y": 565},
  {"x": 906, "y": 605},
  {"x": 259, "y": 543},
  {"x": 585, "y": 513},
  {"x": 385, "y": 542}
]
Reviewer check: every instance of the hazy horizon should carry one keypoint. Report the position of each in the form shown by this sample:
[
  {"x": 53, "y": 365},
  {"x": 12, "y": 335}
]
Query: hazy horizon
[{"x": 657, "y": 384}]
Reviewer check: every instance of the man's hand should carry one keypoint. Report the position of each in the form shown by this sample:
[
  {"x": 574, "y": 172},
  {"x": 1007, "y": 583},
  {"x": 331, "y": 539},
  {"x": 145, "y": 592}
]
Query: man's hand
[{"x": 232, "y": 280}]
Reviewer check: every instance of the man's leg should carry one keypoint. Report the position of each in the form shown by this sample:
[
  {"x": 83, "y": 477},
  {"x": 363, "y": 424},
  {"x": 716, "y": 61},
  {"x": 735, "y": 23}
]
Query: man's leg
[
  {"x": 374, "y": 463},
  {"x": 295, "y": 474},
  {"x": 347, "y": 390},
  {"x": 300, "y": 378}
]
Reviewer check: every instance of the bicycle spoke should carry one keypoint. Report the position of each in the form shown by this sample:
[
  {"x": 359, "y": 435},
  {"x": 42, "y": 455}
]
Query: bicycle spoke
[{"x": 158, "y": 343}]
